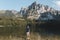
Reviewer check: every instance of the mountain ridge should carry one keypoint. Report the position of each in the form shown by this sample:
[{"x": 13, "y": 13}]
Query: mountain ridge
[{"x": 34, "y": 11}]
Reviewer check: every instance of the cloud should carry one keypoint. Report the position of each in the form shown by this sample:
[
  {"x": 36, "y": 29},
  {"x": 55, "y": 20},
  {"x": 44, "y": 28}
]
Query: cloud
[{"x": 57, "y": 3}]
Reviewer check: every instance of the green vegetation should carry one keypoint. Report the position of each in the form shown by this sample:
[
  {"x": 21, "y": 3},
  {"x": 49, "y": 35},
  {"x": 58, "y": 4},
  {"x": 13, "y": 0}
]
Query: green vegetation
[
  {"x": 15, "y": 26},
  {"x": 12, "y": 26}
]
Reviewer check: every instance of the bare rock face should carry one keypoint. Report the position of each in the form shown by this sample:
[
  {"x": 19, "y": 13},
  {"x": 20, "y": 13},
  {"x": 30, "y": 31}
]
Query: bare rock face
[{"x": 35, "y": 11}]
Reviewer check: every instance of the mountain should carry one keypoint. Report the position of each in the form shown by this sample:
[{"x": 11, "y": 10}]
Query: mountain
[
  {"x": 34, "y": 11},
  {"x": 39, "y": 12},
  {"x": 8, "y": 13}
]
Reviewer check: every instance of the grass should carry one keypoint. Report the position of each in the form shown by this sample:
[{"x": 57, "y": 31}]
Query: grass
[{"x": 33, "y": 36}]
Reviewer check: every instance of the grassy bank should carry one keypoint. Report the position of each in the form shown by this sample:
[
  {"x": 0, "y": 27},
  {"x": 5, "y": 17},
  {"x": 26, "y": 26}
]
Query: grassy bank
[{"x": 15, "y": 29}]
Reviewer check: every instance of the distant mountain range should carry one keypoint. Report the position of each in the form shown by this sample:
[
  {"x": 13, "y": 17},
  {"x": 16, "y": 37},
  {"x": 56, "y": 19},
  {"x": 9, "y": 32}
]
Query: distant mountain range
[
  {"x": 7, "y": 13},
  {"x": 34, "y": 11}
]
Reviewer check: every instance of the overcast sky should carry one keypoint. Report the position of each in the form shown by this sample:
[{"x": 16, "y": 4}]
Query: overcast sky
[{"x": 17, "y": 4}]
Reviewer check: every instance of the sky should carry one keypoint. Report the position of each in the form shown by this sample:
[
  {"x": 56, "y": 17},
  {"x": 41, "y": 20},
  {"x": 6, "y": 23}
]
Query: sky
[{"x": 17, "y": 4}]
